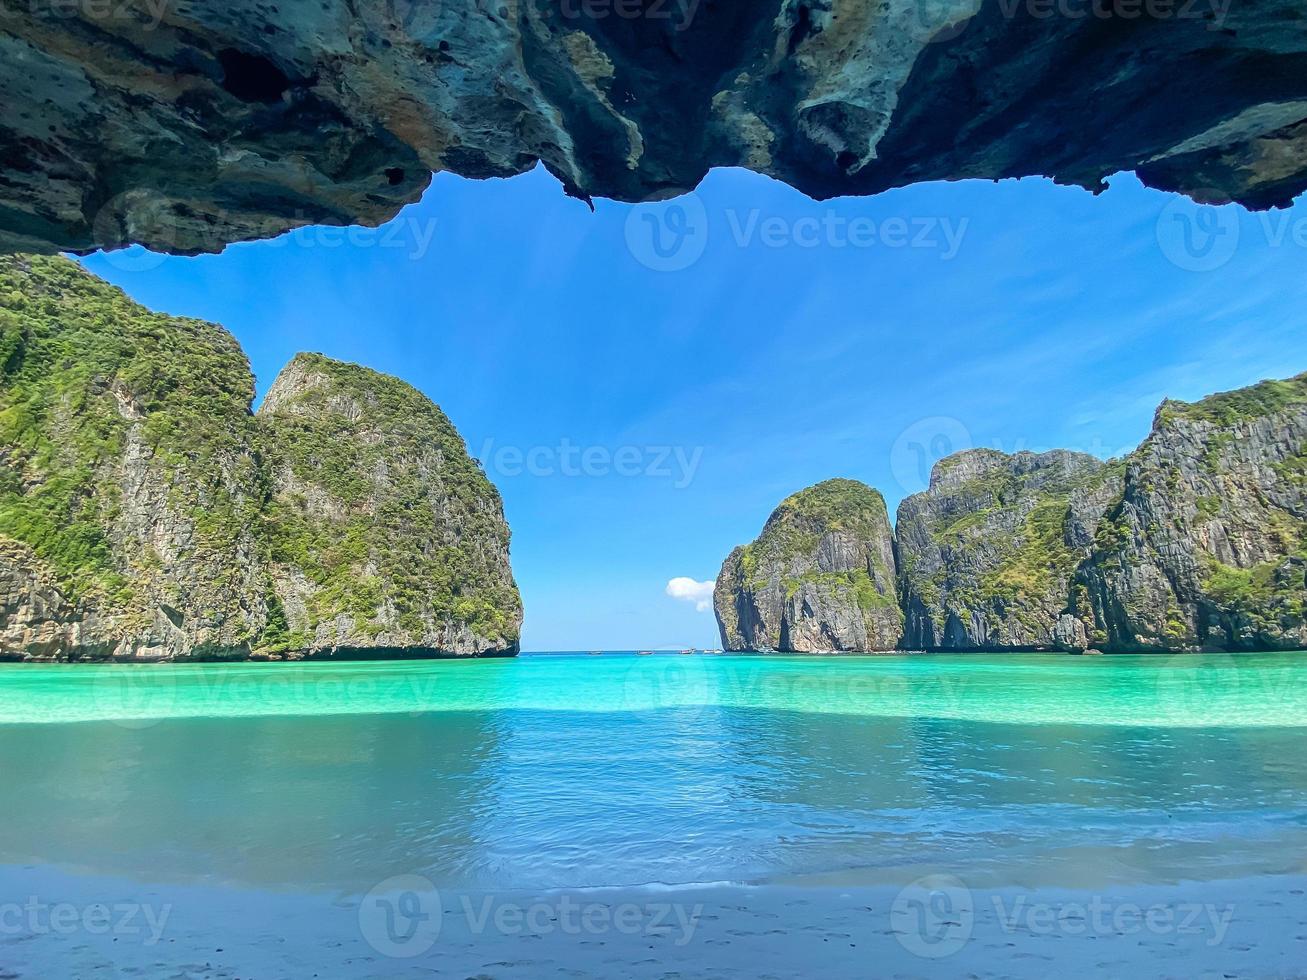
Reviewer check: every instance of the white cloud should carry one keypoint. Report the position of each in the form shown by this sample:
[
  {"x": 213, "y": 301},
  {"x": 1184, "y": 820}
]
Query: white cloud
[{"x": 688, "y": 590}]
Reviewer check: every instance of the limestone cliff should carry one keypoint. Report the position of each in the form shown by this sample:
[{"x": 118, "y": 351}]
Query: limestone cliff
[
  {"x": 385, "y": 535},
  {"x": 988, "y": 552},
  {"x": 1197, "y": 540},
  {"x": 1206, "y": 544},
  {"x": 820, "y": 577},
  {"x": 147, "y": 514},
  {"x": 189, "y": 125},
  {"x": 129, "y": 486}
]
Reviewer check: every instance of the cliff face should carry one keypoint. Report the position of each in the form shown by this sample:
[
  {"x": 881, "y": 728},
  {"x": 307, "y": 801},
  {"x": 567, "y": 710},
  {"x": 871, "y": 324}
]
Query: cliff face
[
  {"x": 190, "y": 125},
  {"x": 1196, "y": 540},
  {"x": 146, "y": 514},
  {"x": 385, "y": 535},
  {"x": 821, "y": 576},
  {"x": 128, "y": 482},
  {"x": 988, "y": 552},
  {"x": 1206, "y": 545}
]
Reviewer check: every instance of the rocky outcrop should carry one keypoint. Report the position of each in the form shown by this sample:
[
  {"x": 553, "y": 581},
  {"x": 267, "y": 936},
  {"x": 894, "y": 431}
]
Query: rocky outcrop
[
  {"x": 129, "y": 486},
  {"x": 987, "y": 554},
  {"x": 140, "y": 518},
  {"x": 186, "y": 126},
  {"x": 820, "y": 577},
  {"x": 1195, "y": 541},
  {"x": 1205, "y": 547},
  {"x": 386, "y": 536}
]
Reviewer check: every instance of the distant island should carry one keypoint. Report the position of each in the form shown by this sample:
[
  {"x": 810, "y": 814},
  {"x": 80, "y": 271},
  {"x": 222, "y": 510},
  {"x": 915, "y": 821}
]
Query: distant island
[
  {"x": 146, "y": 513},
  {"x": 1197, "y": 540}
]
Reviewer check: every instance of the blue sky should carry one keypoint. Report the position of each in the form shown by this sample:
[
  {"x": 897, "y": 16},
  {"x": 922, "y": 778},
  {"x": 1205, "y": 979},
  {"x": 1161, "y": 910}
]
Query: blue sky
[{"x": 644, "y": 402}]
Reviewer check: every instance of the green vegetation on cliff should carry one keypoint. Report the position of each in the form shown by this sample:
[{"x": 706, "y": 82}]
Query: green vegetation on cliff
[
  {"x": 801, "y": 520},
  {"x": 987, "y": 547},
  {"x": 379, "y": 506},
  {"x": 1040, "y": 561},
  {"x": 821, "y": 575},
  {"x": 1228, "y": 408},
  {"x": 113, "y": 417},
  {"x": 173, "y": 522}
]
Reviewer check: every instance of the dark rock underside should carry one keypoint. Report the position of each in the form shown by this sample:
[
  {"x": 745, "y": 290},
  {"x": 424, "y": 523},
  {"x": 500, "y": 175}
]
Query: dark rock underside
[{"x": 186, "y": 125}]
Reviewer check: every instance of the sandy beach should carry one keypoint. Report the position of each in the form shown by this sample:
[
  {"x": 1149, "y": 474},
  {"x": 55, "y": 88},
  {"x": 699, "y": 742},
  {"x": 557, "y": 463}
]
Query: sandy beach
[{"x": 59, "y": 924}]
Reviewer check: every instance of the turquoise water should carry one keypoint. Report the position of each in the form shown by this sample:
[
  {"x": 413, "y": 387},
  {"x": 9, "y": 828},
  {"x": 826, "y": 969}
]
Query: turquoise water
[{"x": 566, "y": 771}]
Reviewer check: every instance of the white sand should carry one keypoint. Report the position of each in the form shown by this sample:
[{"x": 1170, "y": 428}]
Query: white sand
[{"x": 1245, "y": 928}]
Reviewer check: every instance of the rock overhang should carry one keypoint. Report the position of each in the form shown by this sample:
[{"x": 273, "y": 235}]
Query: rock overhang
[{"x": 186, "y": 125}]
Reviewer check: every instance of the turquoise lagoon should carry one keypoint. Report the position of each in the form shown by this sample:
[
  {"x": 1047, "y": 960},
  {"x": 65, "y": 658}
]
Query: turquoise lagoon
[{"x": 567, "y": 770}]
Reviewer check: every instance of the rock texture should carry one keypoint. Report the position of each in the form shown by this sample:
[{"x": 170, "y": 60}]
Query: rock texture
[
  {"x": 385, "y": 535},
  {"x": 186, "y": 125},
  {"x": 1195, "y": 541},
  {"x": 1206, "y": 545},
  {"x": 140, "y": 518},
  {"x": 820, "y": 577},
  {"x": 987, "y": 553},
  {"x": 127, "y": 470}
]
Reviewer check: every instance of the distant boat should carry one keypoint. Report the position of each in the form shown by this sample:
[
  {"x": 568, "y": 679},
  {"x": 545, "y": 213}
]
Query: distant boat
[
  {"x": 644, "y": 653},
  {"x": 596, "y": 653},
  {"x": 686, "y": 652}
]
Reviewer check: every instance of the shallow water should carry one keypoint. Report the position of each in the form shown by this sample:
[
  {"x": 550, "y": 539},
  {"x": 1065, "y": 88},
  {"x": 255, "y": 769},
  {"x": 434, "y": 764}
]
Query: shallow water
[{"x": 571, "y": 770}]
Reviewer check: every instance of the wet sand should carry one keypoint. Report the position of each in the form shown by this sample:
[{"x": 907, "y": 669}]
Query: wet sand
[{"x": 60, "y": 924}]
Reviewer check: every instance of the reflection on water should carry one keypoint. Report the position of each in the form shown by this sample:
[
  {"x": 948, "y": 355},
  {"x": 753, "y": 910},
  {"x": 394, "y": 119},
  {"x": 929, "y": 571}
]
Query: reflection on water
[{"x": 559, "y": 772}]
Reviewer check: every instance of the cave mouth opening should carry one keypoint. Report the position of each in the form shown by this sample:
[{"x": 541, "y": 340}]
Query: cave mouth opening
[{"x": 252, "y": 77}]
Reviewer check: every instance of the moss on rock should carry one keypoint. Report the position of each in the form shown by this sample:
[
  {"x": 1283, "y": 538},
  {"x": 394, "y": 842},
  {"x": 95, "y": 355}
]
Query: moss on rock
[
  {"x": 384, "y": 532},
  {"x": 820, "y": 576},
  {"x": 157, "y": 517}
]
